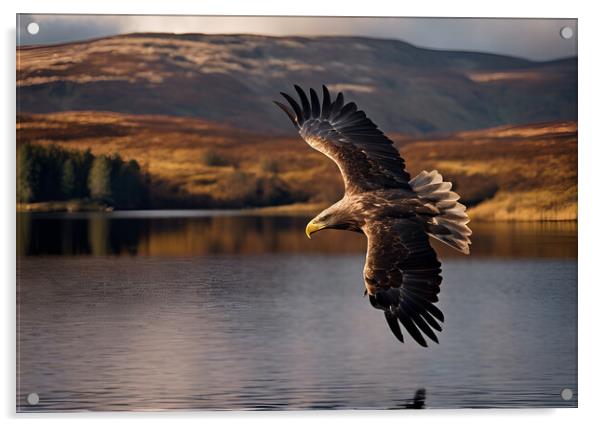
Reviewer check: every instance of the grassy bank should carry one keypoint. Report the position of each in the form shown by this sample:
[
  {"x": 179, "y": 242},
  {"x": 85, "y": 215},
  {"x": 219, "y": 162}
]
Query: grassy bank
[
  {"x": 526, "y": 172},
  {"x": 64, "y": 206}
]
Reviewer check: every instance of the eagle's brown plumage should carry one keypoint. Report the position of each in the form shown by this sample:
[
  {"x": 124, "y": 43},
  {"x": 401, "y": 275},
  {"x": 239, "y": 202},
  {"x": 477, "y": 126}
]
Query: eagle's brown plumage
[{"x": 402, "y": 274}]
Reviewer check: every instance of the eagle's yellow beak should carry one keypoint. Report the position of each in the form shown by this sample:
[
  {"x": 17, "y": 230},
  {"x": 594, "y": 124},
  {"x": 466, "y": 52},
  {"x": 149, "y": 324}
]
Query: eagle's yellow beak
[{"x": 312, "y": 227}]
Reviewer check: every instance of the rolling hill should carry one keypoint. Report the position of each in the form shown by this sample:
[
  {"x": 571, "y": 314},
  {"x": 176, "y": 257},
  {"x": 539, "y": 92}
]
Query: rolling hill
[
  {"x": 526, "y": 172},
  {"x": 232, "y": 79}
]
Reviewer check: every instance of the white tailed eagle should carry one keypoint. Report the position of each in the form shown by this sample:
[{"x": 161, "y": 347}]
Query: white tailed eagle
[{"x": 396, "y": 213}]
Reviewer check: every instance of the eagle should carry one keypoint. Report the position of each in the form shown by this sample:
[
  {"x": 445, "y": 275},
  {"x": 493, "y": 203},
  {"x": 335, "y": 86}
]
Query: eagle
[{"x": 396, "y": 213}]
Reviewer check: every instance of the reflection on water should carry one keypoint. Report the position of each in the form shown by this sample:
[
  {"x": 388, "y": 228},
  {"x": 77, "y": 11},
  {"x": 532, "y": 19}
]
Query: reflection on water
[
  {"x": 416, "y": 403},
  {"x": 233, "y": 311},
  {"x": 286, "y": 331},
  {"x": 202, "y": 233}
]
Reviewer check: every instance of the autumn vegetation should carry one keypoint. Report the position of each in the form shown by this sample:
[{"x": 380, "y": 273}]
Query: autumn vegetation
[
  {"x": 526, "y": 172},
  {"x": 53, "y": 173}
]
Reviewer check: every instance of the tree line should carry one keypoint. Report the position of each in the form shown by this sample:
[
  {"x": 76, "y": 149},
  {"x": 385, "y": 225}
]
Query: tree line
[{"x": 54, "y": 173}]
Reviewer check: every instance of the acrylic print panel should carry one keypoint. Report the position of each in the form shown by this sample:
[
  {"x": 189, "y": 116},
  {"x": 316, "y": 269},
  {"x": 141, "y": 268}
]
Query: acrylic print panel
[{"x": 164, "y": 201}]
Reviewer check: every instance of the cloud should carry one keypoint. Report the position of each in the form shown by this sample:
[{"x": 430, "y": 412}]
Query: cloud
[
  {"x": 66, "y": 28},
  {"x": 537, "y": 39}
]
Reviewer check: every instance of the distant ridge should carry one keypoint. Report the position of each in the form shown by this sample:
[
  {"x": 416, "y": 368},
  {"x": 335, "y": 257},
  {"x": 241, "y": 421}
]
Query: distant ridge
[{"x": 233, "y": 78}]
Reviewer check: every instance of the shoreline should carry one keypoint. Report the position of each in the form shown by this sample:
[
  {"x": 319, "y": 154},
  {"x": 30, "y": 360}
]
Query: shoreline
[
  {"x": 295, "y": 209},
  {"x": 66, "y": 206}
]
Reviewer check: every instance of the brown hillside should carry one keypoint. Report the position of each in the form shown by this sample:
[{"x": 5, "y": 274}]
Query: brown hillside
[
  {"x": 508, "y": 173},
  {"x": 233, "y": 79}
]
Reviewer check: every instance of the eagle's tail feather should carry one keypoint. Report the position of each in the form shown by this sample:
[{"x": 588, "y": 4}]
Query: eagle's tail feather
[{"x": 449, "y": 226}]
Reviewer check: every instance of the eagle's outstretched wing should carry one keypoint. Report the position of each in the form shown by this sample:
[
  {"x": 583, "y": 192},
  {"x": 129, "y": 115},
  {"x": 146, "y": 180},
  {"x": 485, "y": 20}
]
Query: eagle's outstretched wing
[
  {"x": 366, "y": 157},
  {"x": 403, "y": 276}
]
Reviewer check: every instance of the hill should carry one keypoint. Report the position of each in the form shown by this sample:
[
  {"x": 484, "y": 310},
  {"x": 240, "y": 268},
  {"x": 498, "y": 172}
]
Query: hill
[
  {"x": 526, "y": 172},
  {"x": 232, "y": 79}
]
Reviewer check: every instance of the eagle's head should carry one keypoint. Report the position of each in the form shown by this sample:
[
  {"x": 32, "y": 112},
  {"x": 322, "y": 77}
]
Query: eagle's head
[
  {"x": 336, "y": 216},
  {"x": 320, "y": 222}
]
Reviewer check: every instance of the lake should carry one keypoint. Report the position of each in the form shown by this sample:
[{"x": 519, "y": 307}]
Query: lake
[{"x": 192, "y": 310}]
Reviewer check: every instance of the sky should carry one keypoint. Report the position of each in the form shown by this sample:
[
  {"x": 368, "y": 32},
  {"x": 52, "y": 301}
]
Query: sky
[{"x": 535, "y": 39}]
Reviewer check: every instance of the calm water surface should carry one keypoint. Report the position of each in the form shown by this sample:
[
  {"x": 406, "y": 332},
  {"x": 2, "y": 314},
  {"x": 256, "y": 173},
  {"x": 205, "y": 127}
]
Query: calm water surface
[{"x": 158, "y": 311}]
